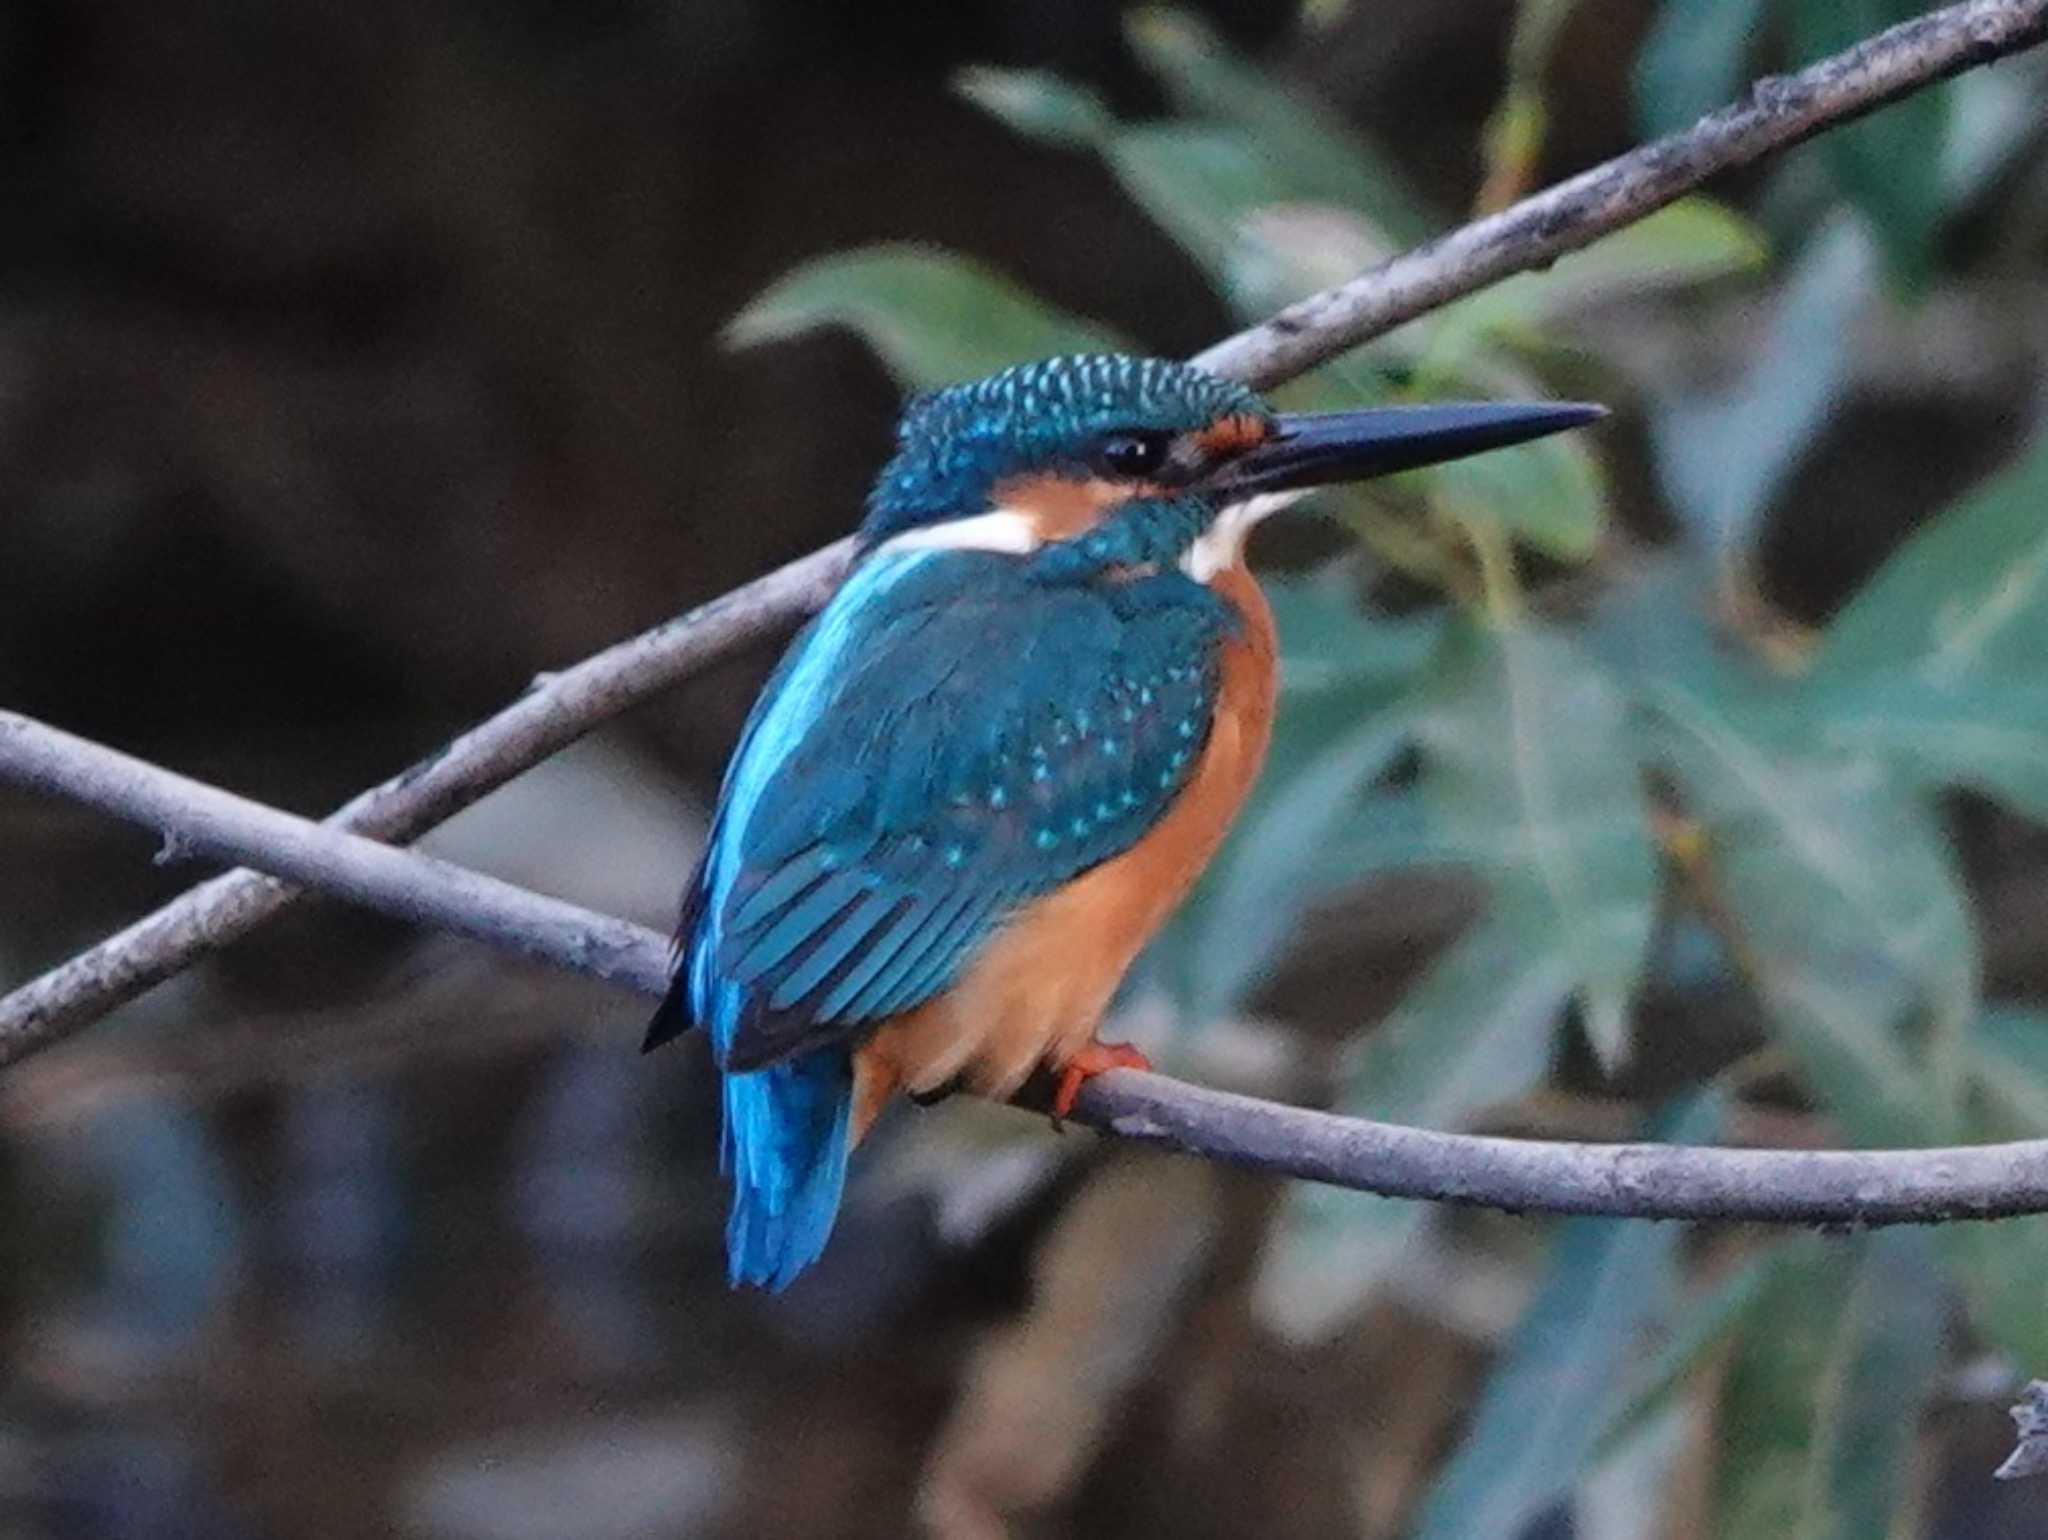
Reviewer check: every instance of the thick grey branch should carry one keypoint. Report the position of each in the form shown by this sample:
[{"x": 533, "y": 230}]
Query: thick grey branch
[
  {"x": 1642, "y": 1181},
  {"x": 1531, "y": 234}
]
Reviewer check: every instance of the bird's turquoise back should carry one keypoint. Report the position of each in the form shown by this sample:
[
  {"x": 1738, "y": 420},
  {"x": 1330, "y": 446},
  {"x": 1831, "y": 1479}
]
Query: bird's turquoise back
[{"x": 956, "y": 734}]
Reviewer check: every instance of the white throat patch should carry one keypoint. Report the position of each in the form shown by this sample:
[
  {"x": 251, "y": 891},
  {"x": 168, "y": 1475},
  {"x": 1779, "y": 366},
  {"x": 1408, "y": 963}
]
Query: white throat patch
[
  {"x": 1221, "y": 545},
  {"x": 1014, "y": 532},
  {"x": 1009, "y": 530}
]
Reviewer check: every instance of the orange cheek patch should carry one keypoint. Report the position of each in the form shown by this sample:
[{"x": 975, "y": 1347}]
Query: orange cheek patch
[
  {"x": 1061, "y": 507},
  {"x": 1233, "y": 435}
]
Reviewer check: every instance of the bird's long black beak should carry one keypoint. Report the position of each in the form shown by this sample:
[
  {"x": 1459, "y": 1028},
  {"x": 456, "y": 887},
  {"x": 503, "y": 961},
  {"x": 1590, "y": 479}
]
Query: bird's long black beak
[{"x": 1314, "y": 449}]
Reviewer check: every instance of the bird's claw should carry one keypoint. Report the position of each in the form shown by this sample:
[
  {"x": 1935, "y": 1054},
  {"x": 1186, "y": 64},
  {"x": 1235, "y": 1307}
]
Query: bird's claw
[{"x": 1092, "y": 1059}]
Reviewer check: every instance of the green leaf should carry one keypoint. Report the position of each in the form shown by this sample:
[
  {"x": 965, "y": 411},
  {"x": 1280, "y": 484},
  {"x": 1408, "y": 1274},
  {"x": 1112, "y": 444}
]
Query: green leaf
[
  {"x": 2009, "y": 1052},
  {"x": 1540, "y": 1418},
  {"x": 1965, "y": 596},
  {"x": 1385, "y": 832},
  {"x": 1851, "y": 910},
  {"x": 1334, "y": 648},
  {"x": 1693, "y": 61},
  {"x": 1037, "y": 105},
  {"x": 1268, "y": 201},
  {"x": 1889, "y": 164},
  {"x": 1994, "y": 115},
  {"x": 1529, "y": 765},
  {"x": 1827, "y": 1390},
  {"x": 1283, "y": 251},
  {"x": 2002, "y": 1268},
  {"x": 1723, "y": 457},
  {"x": 1326, "y": 161},
  {"x": 1935, "y": 663},
  {"x": 1547, "y": 493},
  {"x": 933, "y": 317},
  {"x": 1658, "y": 630},
  {"x": 1987, "y": 734},
  {"x": 1342, "y": 675},
  {"x": 1476, "y": 1030},
  {"x": 2002, "y": 1272},
  {"x": 1701, "y": 1326},
  {"x": 1626, "y": 1496},
  {"x": 1203, "y": 185},
  {"x": 1538, "y": 25},
  {"x": 1692, "y": 242},
  {"x": 1260, "y": 895}
]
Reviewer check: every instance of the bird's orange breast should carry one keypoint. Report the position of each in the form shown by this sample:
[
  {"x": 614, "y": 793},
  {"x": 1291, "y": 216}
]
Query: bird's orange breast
[{"x": 1038, "y": 989}]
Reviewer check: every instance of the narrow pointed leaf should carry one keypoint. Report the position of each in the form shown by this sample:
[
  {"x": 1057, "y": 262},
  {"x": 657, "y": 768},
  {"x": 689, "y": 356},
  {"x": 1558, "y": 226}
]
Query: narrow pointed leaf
[
  {"x": 1692, "y": 242},
  {"x": 1329, "y": 162},
  {"x": 1851, "y": 909},
  {"x": 1547, "y": 494},
  {"x": 1990, "y": 734},
  {"x": 2009, "y": 1054},
  {"x": 1343, "y": 674},
  {"x": 1701, "y": 1327},
  {"x": 1476, "y": 1030},
  {"x": 1629, "y": 1497},
  {"x": 933, "y": 317},
  {"x": 1037, "y": 105},
  {"x": 1539, "y": 1422},
  {"x": 1694, "y": 60},
  {"x": 1994, "y": 115},
  {"x": 1530, "y": 766},
  {"x": 1889, "y": 163},
  {"x": 1204, "y": 185},
  {"x": 1223, "y": 185},
  {"x": 2002, "y": 1268},
  {"x": 1723, "y": 457},
  {"x": 1966, "y": 596},
  {"x": 1260, "y": 894},
  {"x": 1827, "y": 1391}
]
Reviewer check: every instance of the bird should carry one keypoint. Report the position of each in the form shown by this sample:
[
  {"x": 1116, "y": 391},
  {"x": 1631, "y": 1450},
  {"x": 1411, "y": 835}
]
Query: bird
[{"x": 989, "y": 769}]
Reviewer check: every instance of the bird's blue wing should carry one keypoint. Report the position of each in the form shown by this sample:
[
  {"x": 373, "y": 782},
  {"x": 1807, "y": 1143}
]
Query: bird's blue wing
[{"x": 951, "y": 738}]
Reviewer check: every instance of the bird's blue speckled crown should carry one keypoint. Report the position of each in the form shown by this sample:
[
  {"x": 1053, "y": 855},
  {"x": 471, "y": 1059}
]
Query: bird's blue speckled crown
[{"x": 954, "y": 445}]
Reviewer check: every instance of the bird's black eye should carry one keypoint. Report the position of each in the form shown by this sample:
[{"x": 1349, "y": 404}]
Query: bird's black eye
[{"x": 1133, "y": 454}]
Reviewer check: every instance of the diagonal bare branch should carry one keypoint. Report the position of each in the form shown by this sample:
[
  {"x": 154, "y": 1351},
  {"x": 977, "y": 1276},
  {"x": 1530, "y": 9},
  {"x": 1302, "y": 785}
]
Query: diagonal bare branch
[
  {"x": 1644, "y": 1181},
  {"x": 553, "y": 714},
  {"x": 1533, "y": 233},
  {"x": 1776, "y": 112}
]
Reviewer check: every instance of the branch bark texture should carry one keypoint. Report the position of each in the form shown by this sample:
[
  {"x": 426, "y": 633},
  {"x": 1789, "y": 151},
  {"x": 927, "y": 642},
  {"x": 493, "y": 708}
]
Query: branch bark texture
[{"x": 1640, "y": 1181}]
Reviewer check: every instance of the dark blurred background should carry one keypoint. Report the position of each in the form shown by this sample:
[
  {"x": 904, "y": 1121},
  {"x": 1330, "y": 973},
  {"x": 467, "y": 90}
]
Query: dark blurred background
[{"x": 359, "y": 362}]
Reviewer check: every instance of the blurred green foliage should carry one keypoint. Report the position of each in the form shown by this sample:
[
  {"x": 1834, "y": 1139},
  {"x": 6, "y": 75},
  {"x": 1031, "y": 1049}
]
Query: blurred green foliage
[
  {"x": 1651, "y": 794},
  {"x": 1889, "y": 166}
]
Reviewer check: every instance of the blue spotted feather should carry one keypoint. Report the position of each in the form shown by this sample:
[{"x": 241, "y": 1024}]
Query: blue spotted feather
[{"x": 957, "y": 733}]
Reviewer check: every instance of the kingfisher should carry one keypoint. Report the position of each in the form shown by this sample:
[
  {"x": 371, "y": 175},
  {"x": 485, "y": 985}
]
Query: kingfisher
[{"x": 989, "y": 769}]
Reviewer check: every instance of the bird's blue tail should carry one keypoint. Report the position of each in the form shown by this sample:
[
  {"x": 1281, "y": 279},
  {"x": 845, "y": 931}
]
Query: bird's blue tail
[{"x": 787, "y": 1135}]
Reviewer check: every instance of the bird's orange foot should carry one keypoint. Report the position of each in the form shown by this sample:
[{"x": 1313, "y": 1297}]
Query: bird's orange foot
[{"x": 1092, "y": 1059}]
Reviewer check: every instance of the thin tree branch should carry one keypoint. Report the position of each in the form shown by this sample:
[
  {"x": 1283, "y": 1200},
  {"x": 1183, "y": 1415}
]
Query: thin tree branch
[
  {"x": 199, "y": 819},
  {"x": 1533, "y": 233},
  {"x": 557, "y": 711},
  {"x": 1776, "y": 112},
  {"x": 1640, "y": 1181}
]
